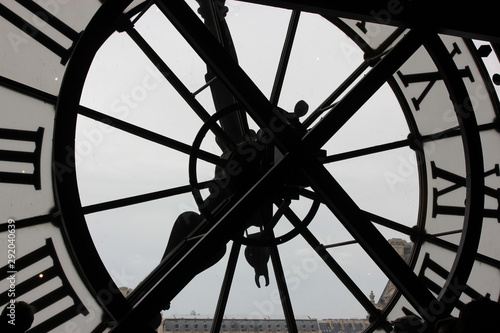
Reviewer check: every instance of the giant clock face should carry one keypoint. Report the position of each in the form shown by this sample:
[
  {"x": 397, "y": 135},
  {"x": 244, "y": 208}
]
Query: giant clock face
[{"x": 263, "y": 159}]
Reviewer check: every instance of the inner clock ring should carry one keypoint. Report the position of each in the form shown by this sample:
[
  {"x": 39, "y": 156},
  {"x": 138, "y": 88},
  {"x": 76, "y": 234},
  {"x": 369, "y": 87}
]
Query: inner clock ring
[{"x": 243, "y": 173}]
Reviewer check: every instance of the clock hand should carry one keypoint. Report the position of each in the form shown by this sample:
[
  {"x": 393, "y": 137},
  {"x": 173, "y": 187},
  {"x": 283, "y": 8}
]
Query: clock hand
[
  {"x": 185, "y": 226},
  {"x": 234, "y": 124},
  {"x": 169, "y": 277}
]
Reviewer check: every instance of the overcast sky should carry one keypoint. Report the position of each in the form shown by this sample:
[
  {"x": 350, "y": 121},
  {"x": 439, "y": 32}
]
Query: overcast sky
[{"x": 113, "y": 164}]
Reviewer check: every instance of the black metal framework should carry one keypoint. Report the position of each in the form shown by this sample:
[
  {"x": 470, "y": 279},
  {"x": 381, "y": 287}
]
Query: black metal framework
[{"x": 301, "y": 153}]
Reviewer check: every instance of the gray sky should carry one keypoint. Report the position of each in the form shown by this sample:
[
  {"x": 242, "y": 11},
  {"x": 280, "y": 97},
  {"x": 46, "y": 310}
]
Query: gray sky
[{"x": 113, "y": 164}]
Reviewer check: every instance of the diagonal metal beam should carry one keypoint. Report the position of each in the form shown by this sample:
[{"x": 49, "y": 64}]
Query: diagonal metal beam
[
  {"x": 228, "y": 71},
  {"x": 364, "y": 89},
  {"x": 176, "y": 270},
  {"x": 163, "y": 280},
  {"x": 447, "y": 16}
]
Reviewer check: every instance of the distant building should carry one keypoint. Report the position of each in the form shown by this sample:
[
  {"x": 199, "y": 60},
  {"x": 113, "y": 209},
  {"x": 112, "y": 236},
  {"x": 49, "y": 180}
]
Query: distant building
[
  {"x": 343, "y": 325},
  {"x": 198, "y": 325},
  {"x": 192, "y": 325},
  {"x": 125, "y": 291},
  {"x": 404, "y": 249}
]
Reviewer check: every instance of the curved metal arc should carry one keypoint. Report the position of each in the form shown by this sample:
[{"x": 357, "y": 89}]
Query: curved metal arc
[{"x": 74, "y": 227}]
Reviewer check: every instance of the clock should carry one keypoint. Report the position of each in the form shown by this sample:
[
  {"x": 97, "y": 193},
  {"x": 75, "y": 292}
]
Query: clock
[{"x": 202, "y": 136}]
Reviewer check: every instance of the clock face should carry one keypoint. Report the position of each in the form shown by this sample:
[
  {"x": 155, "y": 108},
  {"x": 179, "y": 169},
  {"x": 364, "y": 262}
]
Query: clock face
[{"x": 302, "y": 164}]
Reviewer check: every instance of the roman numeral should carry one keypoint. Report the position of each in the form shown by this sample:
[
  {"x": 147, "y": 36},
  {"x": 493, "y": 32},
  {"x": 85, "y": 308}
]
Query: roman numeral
[
  {"x": 53, "y": 218},
  {"x": 431, "y": 78},
  {"x": 439, "y": 274},
  {"x": 35, "y": 33},
  {"x": 457, "y": 183},
  {"x": 22, "y": 157},
  {"x": 40, "y": 278}
]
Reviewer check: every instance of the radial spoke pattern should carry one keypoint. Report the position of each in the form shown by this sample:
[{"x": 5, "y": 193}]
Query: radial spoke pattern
[{"x": 297, "y": 167}]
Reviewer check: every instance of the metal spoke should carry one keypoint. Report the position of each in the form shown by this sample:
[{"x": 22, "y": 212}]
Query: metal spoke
[
  {"x": 148, "y": 135},
  {"x": 368, "y": 237},
  {"x": 329, "y": 246},
  {"x": 433, "y": 239},
  {"x": 171, "y": 275},
  {"x": 283, "y": 289},
  {"x": 327, "y": 104},
  {"x": 226, "y": 287},
  {"x": 285, "y": 57},
  {"x": 177, "y": 84},
  {"x": 333, "y": 265},
  {"x": 366, "y": 151},
  {"x": 363, "y": 90},
  {"x": 228, "y": 71},
  {"x": 134, "y": 200},
  {"x": 389, "y": 223},
  {"x": 234, "y": 124}
]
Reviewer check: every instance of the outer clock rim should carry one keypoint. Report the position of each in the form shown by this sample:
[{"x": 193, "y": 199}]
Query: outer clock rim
[
  {"x": 75, "y": 231},
  {"x": 68, "y": 200}
]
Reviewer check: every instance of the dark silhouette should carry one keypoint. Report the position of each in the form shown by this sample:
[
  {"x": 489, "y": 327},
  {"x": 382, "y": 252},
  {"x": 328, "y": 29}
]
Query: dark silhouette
[
  {"x": 16, "y": 317},
  {"x": 408, "y": 324},
  {"x": 257, "y": 257},
  {"x": 480, "y": 315},
  {"x": 446, "y": 325}
]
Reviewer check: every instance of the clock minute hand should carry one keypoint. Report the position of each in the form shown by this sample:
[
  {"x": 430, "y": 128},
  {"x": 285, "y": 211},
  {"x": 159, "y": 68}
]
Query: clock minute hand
[{"x": 234, "y": 124}]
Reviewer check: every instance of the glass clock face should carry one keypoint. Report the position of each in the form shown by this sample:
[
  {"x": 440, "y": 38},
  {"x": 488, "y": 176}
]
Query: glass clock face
[{"x": 230, "y": 159}]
